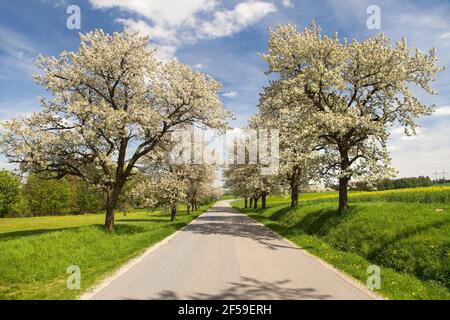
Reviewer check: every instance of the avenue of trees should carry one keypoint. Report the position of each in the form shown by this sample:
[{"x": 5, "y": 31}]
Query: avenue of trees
[
  {"x": 334, "y": 102},
  {"x": 112, "y": 105},
  {"x": 109, "y": 122},
  {"x": 38, "y": 195}
]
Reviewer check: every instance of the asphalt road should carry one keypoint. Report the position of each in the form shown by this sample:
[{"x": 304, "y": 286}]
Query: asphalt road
[{"x": 224, "y": 254}]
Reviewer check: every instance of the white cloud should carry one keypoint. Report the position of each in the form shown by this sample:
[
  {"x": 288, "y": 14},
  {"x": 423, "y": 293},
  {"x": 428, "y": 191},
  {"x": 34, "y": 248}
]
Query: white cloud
[
  {"x": 173, "y": 23},
  {"x": 169, "y": 12},
  {"x": 445, "y": 35},
  {"x": 156, "y": 32},
  {"x": 21, "y": 109},
  {"x": 56, "y": 3},
  {"x": 399, "y": 134},
  {"x": 288, "y": 4},
  {"x": 426, "y": 20},
  {"x": 18, "y": 54},
  {"x": 228, "y": 22},
  {"x": 198, "y": 66},
  {"x": 165, "y": 52},
  {"x": 230, "y": 94},
  {"x": 413, "y": 157},
  {"x": 442, "y": 111}
]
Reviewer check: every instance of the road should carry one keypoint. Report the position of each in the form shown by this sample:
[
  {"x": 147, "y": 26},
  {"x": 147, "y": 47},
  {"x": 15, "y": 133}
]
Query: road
[{"x": 224, "y": 254}]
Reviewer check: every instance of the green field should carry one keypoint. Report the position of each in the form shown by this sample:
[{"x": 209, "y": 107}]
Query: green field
[
  {"x": 409, "y": 240},
  {"x": 35, "y": 252}
]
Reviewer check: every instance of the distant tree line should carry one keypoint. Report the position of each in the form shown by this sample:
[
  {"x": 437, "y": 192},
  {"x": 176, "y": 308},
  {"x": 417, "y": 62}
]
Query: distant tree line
[
  {"x": 39, "y": 195},
  {"x": 42, "y": 195},
  {"x": 392, "y": 184}
]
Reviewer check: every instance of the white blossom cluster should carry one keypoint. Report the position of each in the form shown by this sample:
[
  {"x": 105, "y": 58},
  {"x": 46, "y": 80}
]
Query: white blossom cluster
[{"x": 167, "y": 184}]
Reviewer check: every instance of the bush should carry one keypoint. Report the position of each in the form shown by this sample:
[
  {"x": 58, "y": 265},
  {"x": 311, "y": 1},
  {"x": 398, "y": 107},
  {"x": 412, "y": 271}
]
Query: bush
[
  {"x": 9, "y": 192},
  {"x": 88, "y": 199},
  {"x": 20, "y": 208},
  {"x": 47, "y": 196},
  {"x": 392, "y": 184}
]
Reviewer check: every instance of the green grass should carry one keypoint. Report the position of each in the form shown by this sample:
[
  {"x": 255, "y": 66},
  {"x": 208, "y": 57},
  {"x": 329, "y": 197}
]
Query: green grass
[
  {"x": 227, "y": 197},
  {"x": 35, "y": 252},
  {"x": 409, "y": 241}
]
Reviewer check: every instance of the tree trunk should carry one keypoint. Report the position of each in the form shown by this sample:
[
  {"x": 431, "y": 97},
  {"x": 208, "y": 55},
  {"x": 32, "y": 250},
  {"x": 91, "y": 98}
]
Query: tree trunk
[
  {"x": 188, "y": 208},
  {"x": 295, "y": 188},
  {"x": 193, "y": 205},
  {"x": 111, "y": 204},
  {"x": 343, "y": 195},
  {"x": 173, "y": 213},
  {"x": 264, "y": 200},
  {"x": 255, "y": 203},
  {"x": 246, "y": 203},
  {"x": 294, "y": 198},
  {"x": 109, "y": 221},
  {"x": 251, "y": 203},
  {"x": 343, "y": 181}
]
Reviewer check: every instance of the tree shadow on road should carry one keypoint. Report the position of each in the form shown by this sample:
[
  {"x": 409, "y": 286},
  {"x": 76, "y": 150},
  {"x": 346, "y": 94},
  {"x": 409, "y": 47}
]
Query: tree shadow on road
[
  {"x": 250, "y": 289},
  {"x": 237, "y": 225}
]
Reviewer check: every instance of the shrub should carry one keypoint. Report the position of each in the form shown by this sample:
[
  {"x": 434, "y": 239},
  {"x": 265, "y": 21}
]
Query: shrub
[
  {"x": 392, "y": 184},
  {"x": 88, "y": 199},
  {"x": 20, "y": 208},
  {"x": 9, "y": 192},
  {"x": 47, "y": 196}
]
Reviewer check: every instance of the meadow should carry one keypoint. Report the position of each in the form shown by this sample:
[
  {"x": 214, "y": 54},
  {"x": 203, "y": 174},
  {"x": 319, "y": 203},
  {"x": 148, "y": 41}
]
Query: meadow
[
  {"x": 405, "y": 232},
  {"x": 36, "y": 252},
  {"x": 435, "y": 194}
]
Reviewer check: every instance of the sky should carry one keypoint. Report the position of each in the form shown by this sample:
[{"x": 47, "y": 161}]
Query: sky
[{"x": 224, "y": 39}]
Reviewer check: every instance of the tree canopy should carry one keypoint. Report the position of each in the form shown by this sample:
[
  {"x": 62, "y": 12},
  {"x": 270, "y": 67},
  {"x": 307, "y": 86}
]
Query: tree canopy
[{"x": 112, "y": 104}]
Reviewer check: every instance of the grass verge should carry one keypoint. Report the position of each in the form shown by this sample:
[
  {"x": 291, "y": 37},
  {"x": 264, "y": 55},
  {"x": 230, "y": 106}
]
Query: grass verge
[
  {"x": 36, "y": 252},
  {"x": 409, "y": 242}
]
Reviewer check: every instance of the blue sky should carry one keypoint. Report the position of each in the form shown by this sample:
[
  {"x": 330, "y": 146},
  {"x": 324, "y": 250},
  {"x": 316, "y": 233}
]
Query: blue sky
[{"x": 223, "y": 39}]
